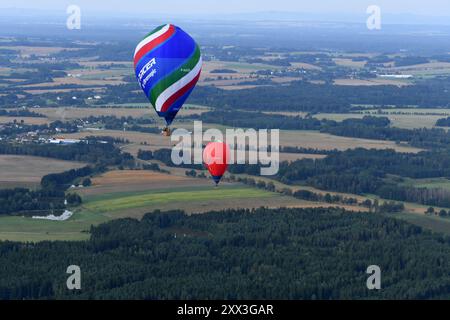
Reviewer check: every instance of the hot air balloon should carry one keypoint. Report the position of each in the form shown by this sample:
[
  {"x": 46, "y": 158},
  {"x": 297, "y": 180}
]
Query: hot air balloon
[
  {"x": 167, "y": 63},
  {"x": 216, "y": 157}
]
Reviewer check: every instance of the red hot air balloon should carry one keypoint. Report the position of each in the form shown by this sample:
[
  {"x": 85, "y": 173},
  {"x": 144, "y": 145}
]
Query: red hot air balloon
[{"x": 216, "y": 157}]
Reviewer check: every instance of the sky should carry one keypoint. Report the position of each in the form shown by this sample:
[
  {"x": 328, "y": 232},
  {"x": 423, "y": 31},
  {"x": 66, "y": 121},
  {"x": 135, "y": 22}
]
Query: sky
[{"x": 191, "y": 7}]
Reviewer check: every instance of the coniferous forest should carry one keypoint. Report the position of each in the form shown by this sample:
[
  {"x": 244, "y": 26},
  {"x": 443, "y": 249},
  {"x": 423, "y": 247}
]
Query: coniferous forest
[{"x": 235, "y": 254}]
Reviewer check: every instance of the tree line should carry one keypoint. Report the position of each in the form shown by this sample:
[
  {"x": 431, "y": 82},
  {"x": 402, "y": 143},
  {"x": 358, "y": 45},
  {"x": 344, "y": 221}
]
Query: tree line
[
  {"x": 369, "y": 127},
  {"x": 235, "y": 254},
  {"x": 91, "y": 151}
]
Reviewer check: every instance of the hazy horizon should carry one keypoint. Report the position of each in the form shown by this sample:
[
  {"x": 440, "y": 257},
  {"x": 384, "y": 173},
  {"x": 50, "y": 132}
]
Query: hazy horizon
[{"x": 433, "y": 8}]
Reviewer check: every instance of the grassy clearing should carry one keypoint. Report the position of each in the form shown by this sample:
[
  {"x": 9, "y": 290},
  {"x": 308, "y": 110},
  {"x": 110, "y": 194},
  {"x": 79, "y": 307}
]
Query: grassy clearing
[
  {"x": 435, "y": 183},
  {"x": 159, "y": 199},
  {"x": 436, "y": 224}
]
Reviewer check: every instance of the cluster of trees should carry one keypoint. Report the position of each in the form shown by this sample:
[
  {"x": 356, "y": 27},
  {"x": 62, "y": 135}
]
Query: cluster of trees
[
  {"x": 428, "y": 196},
  {"x": 145, "y": 154},
  {"x": 20, "y": 113},
  {"x": 295, "y": 149},
  {"x": 328, "y": 198},
  {"x": 444, "y": 122},
  {"x": 49, "y": 199},
  {"x": 422, "y": 138},
  {"x": 106, "y": 52},
  {"x": 25, "y": 202},
  {"x": 269, "y": 186},
  {"x": 259, "y": 120},
  {"x": 409, "y": 61},
  {"x": 375, "y": 206},
  {"x": 223, "y": 71},
  {"x": 362, "y": 171},
  {"x": 63, "y": 180},
  {"x": 15, "y": 128},
  {"x": 138, "y": 128},
  {"x": 441, "y": 213},
  {"x": 193, "y": 173},
  {"x": 275, "y": 254},
  {"x": 116, "y": 123},
  {"x": 165, "y": 156},
  {"x": 92, "y": 151}
]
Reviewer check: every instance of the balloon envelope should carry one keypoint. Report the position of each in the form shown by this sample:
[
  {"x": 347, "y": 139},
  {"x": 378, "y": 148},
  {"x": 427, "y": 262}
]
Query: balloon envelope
[
  {"x": 216, "y": 157},
  {"x": 167, "y": 64}
]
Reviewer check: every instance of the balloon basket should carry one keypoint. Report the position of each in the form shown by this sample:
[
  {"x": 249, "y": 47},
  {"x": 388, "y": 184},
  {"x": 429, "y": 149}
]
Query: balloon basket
[{"x": 166, "y": 132}]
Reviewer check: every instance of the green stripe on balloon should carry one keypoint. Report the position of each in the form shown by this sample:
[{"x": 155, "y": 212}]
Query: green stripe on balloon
[
  {"x": 154, "y": 31},
  {"x": 166, "y": 82}
]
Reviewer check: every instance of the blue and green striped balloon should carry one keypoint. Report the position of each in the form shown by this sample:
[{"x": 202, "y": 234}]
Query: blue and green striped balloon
[{"x": 167, "y": 63}]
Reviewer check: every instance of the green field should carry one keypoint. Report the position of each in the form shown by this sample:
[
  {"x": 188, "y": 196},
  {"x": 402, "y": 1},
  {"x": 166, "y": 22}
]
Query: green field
[
  {"x": 436, "y": 224},
  {"x": 160, "y": 199},
  {"x": 99, "y": 209},
  {"x": 435, "y": 183}
]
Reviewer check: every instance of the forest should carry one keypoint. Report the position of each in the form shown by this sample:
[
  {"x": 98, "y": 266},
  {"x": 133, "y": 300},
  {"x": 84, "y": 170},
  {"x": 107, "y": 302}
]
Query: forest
[
  {"x": 362, "y": 171},
  {"x": 235, "y": 254}
]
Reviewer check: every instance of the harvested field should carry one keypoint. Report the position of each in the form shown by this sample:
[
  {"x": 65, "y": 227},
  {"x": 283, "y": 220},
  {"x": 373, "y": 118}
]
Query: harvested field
[
  {"x": 347, "y": 62},
  {"x": 324, "y": 141},
  {"x": 138, "y": 180},
  {"x": 374, "y": 82},
  {"x": 17, "y": 170}
]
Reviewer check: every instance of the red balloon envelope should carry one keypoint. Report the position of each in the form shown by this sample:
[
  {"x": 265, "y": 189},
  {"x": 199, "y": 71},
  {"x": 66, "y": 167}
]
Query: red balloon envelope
[{"x": 216, "y": 157}]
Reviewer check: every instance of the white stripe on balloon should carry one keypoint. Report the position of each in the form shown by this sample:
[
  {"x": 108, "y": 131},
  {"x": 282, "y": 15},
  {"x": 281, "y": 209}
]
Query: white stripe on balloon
[
  {"x": 166, "y": 94},
  {"x": 151, "y": 38}
]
